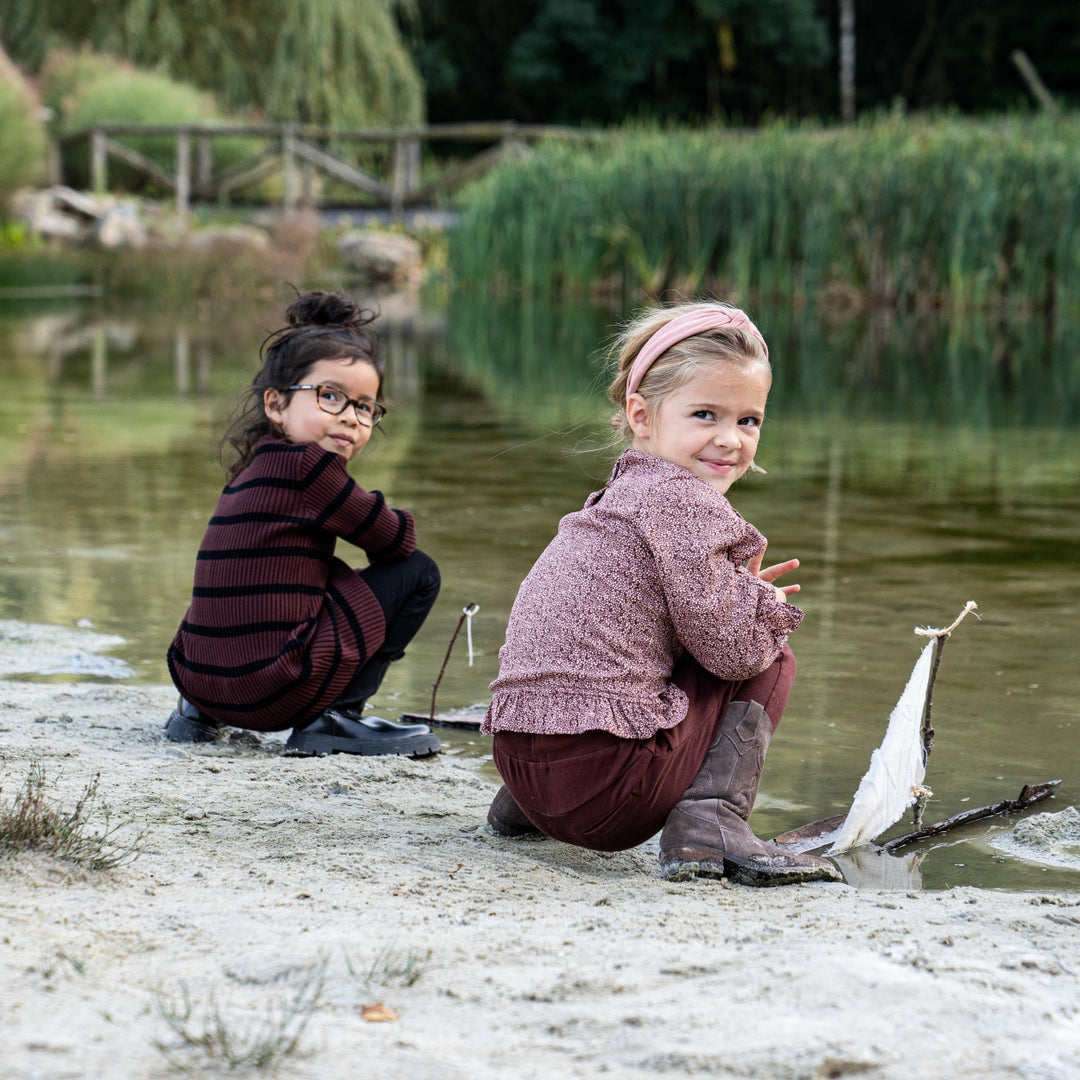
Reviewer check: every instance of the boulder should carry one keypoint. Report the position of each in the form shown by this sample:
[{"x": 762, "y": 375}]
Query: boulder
[
  {"x": 38, "y": 211},
  {"x": 383, "y": 258},
  {"x": 229, "y": 238},
  {"x": 120, "y": 226},
  {"x": 62, "y": 213}
]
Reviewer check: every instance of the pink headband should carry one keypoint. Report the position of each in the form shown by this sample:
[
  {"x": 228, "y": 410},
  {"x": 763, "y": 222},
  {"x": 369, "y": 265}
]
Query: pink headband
[{"x": 682, "y": 327}]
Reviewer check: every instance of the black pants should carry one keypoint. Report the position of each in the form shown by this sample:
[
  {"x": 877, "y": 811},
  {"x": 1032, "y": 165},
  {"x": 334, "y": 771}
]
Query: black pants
[{"x": 406, "y": 591}]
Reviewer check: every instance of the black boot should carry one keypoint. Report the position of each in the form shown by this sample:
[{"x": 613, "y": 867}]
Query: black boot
[
  {"x": 706, "y": 834},
  {"x": 187, "y": 724},
  {"x": 345, "y": 731}
]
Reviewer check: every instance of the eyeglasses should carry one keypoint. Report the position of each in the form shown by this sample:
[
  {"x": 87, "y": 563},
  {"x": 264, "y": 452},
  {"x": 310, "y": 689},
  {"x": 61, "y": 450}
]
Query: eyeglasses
[{"x": 334, "y": 401}]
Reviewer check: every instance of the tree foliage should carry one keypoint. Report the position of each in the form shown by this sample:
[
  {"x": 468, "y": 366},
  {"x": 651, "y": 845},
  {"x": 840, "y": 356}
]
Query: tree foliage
[
  {"x": 685, "y": 60},
  {"x": 606, "y": 60},
  {"x": 340, "y": 63},
  {"x": 360, "y": 62}
]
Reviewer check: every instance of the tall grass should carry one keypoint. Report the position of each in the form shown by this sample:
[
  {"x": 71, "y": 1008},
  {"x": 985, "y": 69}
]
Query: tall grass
[{"x": 911, "y": 212}]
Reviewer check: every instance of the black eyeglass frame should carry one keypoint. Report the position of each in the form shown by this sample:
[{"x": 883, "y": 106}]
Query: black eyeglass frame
[{"x": 377, "y": 411}]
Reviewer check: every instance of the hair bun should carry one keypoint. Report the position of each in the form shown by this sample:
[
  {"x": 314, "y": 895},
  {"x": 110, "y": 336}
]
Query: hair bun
[{"x": 327, "y": 309}]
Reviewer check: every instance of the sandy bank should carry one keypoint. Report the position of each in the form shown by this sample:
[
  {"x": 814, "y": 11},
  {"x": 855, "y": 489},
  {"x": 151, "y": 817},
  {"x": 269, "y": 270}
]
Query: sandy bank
[{"x": 260, "y": 872}]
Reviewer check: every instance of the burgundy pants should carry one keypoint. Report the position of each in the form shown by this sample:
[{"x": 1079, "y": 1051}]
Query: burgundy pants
[{"x": 598, "y": 791}]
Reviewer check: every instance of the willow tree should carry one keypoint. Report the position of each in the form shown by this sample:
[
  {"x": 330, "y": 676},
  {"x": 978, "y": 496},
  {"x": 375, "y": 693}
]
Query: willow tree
[
  {"x": 342, "y": 59},
  {"x": 340, "y": 63}
]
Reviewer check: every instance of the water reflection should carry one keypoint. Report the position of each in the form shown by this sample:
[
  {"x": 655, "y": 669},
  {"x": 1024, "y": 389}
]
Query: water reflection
[
  {"x": 870, "y": 868},
  {"x": 913, "y": 465}
]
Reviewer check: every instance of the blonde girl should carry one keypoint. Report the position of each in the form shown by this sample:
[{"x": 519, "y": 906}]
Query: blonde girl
[{"x": 646, "y": 663}]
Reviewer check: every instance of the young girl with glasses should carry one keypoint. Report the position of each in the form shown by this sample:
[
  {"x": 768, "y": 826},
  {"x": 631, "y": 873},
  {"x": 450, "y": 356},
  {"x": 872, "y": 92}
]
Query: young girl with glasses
[
  {"x": 646, "y": 662},
  {"x": 281, "y": 633}
]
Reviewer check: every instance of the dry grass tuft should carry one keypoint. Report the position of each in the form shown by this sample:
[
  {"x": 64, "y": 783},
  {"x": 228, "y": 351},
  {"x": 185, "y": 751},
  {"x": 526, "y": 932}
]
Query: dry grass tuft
[{"x": 85, "y": 834}]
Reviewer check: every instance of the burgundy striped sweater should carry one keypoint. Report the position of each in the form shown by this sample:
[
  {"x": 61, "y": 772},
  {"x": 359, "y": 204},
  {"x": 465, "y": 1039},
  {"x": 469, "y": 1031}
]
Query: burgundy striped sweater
[{"x": 277, "y": 624}]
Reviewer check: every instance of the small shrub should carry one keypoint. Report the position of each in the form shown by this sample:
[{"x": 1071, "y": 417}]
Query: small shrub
[
  {"x": 391, "y": 967},
  {"x": 64, "y": 74},
  {"x": 86, "y": 89},
  {"x": 22, "y": 138},
  {"x": 85, "y": 834}
]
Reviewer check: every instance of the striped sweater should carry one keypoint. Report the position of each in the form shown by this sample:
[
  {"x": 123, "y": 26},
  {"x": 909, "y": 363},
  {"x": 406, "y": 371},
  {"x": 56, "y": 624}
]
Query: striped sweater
[{"x": 277, "y": 624}]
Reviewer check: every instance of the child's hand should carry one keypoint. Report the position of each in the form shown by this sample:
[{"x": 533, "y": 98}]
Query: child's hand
[{"x": 771, "y": 573}]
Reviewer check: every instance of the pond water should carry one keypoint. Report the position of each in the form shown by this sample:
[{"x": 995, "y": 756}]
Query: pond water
[{"x": 913, "y": 465}]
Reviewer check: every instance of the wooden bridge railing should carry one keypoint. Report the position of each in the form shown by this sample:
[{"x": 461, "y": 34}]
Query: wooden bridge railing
[{"x": 297, "y": 151}]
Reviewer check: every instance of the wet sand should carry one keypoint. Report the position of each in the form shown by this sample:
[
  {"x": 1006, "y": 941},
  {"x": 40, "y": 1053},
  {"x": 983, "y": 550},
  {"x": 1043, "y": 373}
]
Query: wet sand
[{"x": 345, "y": 883}]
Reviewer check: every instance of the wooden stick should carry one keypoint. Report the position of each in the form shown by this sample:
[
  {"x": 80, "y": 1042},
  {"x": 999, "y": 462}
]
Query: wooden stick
[
  {"x": 466, "y": 611},
  {"x": 1029, "y": 795},
  {"x": 940, "y": 637}
]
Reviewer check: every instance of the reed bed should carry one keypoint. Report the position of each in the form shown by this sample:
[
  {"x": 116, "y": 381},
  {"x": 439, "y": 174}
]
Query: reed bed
[{"x": 909, "y": 212}]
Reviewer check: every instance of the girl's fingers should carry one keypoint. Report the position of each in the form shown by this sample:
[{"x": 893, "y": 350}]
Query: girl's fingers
[{"x": 771, "y": 573}]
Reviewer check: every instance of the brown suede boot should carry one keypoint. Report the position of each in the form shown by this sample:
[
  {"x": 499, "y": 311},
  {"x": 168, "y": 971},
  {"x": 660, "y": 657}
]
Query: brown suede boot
[
  {"x": 507, "y": 818},
  {"x": 706, "y": 834}
]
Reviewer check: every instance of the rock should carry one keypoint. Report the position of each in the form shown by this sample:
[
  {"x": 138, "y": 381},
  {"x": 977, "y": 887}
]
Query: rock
[
  {"x": 230, "y": 238},
  {"x": 120, "y": 226},
  {"x": 38, "y": 211},
  {"x": 77, "y": 202},
  {"x": 65, "y": 214},
  {"x": 383, "y": 258}
]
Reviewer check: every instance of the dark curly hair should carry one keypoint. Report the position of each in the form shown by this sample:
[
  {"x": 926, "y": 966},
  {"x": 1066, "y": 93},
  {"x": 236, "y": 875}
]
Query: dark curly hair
[{"x": 319, "y": 326}]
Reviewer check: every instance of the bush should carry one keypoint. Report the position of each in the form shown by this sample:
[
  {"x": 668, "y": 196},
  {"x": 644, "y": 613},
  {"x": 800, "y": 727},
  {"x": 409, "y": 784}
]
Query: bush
[
  {"x": 65, "y": 73},
  {"x": 87, "y": 88},
  {"x": 22, "y": 137}
]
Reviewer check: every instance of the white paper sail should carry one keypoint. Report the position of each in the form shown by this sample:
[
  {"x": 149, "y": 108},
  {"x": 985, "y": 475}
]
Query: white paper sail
[{"x": 896, "y": 768}]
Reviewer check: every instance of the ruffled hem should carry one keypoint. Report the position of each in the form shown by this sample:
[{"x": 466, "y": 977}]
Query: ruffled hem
[{"x": 568, "y": 711}]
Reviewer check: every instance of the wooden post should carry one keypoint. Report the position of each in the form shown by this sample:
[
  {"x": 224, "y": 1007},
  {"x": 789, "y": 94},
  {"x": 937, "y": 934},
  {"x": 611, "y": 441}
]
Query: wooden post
[
  {"x": 183, "y": 175},
  {"x": 288, "y": 162},
  {"x": 56, "y": 163},
  {"x": 1035, "y": 84},
  {"x": 847, "y": 61},
  {"x": 307, "y": 184},
  {"x": 204, "y": 164},
  {"x": 406, "y": 170},
  {"x": 99, "y": 181}
]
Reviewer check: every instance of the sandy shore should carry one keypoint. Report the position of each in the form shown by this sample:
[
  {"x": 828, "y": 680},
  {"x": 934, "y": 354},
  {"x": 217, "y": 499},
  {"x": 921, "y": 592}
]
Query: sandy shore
[{"x": 344, "y": 883}]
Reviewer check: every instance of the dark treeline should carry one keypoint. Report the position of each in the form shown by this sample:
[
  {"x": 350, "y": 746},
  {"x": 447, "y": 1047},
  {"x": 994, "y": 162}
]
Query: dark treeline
[
  {"x": 604, "y": 61},
  {"x": 594, "y": 62}
]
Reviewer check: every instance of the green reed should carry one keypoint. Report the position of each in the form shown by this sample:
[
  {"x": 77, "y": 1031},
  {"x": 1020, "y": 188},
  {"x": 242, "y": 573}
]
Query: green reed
[{"x": 913, "y": 212}]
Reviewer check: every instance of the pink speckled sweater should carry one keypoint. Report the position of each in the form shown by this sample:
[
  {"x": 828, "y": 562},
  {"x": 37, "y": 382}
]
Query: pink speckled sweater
[{"x": 651, "y": 566}]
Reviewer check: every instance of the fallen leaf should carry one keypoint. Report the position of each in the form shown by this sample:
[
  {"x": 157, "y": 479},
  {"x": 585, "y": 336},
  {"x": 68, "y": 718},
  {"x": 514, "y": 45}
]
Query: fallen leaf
[{"x": 378, "y": 1012}]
